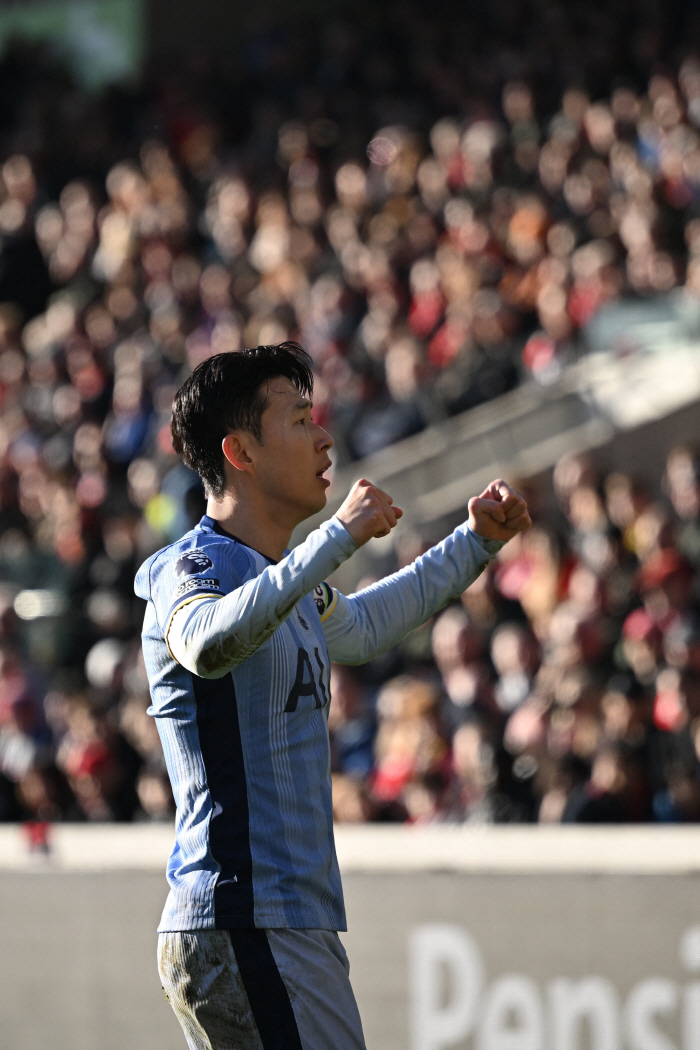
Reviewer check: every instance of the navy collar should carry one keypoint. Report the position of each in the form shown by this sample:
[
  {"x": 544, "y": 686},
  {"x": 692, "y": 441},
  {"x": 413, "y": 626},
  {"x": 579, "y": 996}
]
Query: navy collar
[{"x": 215, "y": 526}]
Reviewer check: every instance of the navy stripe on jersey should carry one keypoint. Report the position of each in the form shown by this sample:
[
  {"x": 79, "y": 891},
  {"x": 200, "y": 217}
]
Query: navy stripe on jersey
[
  {"x": 266, "y": 991},
  {"x": 229, "y": 829}
]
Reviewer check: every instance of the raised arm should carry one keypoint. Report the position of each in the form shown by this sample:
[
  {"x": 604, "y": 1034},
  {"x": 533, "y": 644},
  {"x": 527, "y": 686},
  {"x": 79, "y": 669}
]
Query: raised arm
[
  {"x": 211, "y": 634},
  {"x": 364, "y": 625}
]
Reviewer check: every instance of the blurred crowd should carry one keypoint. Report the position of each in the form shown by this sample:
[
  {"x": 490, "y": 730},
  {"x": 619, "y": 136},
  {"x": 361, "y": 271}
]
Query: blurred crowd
[
  {"x": 435, "y": 205},
  {"x": 563, "y": 687}
]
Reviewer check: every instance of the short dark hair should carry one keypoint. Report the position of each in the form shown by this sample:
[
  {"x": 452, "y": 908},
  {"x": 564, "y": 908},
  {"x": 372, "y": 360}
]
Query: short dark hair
[{"x": 226, "y": 393}]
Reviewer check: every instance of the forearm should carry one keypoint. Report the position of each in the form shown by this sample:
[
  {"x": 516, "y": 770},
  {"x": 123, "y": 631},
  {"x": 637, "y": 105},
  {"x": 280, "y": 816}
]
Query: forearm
[
  {"x": 364, "y": 625},
  {"x": 210, "y": 636}
]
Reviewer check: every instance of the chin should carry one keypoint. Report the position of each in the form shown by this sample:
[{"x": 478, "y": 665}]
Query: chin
[
  {"x": 320, "y": 503},
  {"x": 315, "y": 504}
]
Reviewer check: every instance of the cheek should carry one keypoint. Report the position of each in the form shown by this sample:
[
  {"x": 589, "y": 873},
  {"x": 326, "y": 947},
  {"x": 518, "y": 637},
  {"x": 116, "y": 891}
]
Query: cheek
[
  {"x": 287, "y": 459},
  {"x": 280, "y": 446},
  {"x": 298, "y": 447}
]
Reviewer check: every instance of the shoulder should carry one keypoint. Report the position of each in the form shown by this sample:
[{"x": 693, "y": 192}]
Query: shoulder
[
  {"x": 197, "y": 553},
  {"x": 195, "y": 557}
]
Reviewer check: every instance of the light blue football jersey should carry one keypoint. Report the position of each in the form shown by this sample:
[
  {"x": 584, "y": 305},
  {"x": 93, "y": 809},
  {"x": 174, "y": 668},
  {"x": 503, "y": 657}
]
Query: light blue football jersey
[{"x": 247, "y": 747}]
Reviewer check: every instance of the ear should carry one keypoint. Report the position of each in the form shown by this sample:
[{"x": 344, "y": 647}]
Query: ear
[{"x": 235, "y": 449}]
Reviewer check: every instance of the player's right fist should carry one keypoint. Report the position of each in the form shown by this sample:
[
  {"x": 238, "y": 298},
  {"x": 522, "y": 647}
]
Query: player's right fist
[{"x": 368, "y": 512}]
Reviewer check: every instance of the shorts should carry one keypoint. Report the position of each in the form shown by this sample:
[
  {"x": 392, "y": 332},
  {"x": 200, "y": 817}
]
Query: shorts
[{"x": 257, "y": 989}]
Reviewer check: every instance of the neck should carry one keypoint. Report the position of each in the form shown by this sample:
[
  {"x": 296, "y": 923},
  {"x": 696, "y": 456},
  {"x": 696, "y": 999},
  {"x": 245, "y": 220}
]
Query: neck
[{"x": 252, "y": 523}]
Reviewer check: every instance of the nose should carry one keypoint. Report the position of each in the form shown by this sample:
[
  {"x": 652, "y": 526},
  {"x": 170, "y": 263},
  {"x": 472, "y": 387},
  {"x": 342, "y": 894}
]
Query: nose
[{"x": 323, "y": 441}]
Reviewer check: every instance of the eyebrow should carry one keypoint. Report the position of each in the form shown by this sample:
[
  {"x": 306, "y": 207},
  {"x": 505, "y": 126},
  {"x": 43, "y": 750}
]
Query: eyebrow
[{"x": 303, "y": 403}]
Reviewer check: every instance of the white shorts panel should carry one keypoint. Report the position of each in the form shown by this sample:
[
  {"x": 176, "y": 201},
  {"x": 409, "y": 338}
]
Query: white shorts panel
[{"x": 207, "y": 990}]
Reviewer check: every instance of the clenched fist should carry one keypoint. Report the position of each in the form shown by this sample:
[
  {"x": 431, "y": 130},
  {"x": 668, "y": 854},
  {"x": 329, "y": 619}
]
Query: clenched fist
[
  {"x": 368, "y": 512},
  {"x": 499, "y": 513}
]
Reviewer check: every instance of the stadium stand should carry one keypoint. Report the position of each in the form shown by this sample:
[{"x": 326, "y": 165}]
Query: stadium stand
[{"x": 437, "y": 210}]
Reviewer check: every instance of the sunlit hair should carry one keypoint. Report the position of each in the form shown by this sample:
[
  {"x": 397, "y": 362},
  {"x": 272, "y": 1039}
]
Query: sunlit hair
[{"x": 229, "y": 392}]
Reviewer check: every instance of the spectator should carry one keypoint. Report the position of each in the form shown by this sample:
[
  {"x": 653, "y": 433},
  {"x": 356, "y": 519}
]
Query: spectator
[{"x": 437, "y": 216}]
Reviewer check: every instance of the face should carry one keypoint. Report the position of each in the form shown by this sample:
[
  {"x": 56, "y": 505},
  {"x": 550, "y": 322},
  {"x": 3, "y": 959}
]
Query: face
[{"x": 288, "y": 467}]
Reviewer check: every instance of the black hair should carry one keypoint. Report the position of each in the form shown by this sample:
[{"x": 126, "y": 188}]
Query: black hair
[{"x": 229, "y": 392}]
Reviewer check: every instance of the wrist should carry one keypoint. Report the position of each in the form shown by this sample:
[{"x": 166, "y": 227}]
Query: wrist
[
  {"x": 490, "y": 547},
  {"x": 342, "y": 533}
]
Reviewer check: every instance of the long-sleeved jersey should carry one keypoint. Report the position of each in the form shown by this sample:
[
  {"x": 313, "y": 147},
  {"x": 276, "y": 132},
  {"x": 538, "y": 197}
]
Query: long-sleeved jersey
[{"x": 238, "y": 650}]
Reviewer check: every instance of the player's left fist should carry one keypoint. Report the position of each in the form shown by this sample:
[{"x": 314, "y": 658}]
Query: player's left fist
[{"x": 499, "y": 513}]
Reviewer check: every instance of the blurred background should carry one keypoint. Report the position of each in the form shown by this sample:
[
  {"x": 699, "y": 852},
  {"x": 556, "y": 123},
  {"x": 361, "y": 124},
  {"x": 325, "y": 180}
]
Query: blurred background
[{"x": 482, "y": 220}]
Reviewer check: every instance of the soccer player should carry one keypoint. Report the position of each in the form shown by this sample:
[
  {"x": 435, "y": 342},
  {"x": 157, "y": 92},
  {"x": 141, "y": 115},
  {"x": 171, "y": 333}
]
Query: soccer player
[{"x": 238, "y": 637}]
